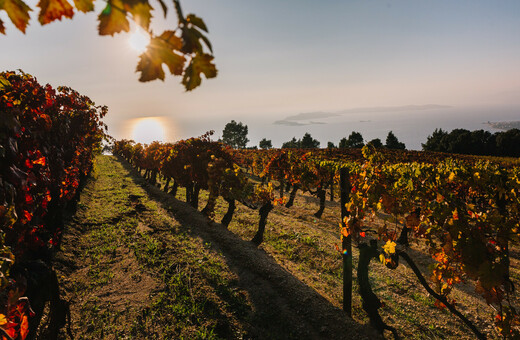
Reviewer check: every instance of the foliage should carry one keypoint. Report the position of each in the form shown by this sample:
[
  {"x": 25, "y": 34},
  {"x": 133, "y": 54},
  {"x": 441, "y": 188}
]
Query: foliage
[
  {"x": 265, "y": 144},
  {"x": 376, "y": 143},
  {"x": 292, "y": 144},
  {"x": 185, "y": 50},
  {"x": 307, "y": 142},
  {"x": 467, "y": 210},
  {"x": 355, "y": 140},
  {"x": 478, "y": 142},
  {"x": 48, "y": 139},
  {"x": 235, "y": 135},
  {"x": 393, "y": 143}
]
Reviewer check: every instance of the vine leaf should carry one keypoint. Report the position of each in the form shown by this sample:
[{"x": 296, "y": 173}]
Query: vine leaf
[
  {"x": 201, "y": 63},
  {"x": 84, "y": 5},
  {"x": 164, "y": 8},
  {"x": 196, "y": 21},
  {"x": 159, "y": 51},
  {"x": 18, "y": 12},
  {"x": 54, "y": 10},
  {"x": 113, "y": 19},
  {"x": 141, "y": 12}
]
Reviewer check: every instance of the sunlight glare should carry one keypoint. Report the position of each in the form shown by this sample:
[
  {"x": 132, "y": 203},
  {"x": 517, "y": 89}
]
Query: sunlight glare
[
  {"x": 147, "y": 130},
  {"x": 139, "y": 39}
]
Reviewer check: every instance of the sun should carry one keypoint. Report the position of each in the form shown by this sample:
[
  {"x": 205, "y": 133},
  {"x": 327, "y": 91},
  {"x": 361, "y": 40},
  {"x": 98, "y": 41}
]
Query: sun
[
  {"x": 139, "y": 39},
  {"x": 147, "y": 130}
]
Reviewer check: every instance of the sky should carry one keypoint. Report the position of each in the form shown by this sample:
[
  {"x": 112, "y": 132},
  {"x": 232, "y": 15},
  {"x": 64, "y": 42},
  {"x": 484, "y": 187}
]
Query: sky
[{"x": 344, "y": 65}]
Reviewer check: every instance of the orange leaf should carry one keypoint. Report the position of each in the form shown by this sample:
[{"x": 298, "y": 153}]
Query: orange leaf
[
  {"x": 18, "y": 12},
  {"x": 54, "y": 10},
  {"x": 40, "y": 161},
  {"x": 2, "y": 27}
]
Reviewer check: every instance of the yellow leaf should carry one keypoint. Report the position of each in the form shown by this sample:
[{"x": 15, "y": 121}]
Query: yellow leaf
[
  {"x": 84, "y": 5},
  {"x": 382, "y": 258},
  {"x": 451, "y": 177},
  {"x": 389, "y": 247},
  {"x": 18, "y": 12},
  {"x": 113, "y": 19}
]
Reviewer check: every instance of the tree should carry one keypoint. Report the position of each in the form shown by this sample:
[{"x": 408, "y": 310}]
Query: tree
[
  {"x": 308, "y": 142},
  {"x": 355, "y": 140},
  {"x": 393, "y": 143},
  {"x": 376, "y": 143},
  {"x": 330, "y": 145},
  {"x": 292, "y": 144},
  {"x": 184, "y": 50},
  {"x": 265, "y": 144},
  {"x": 235, "y": 135},
  {"x": 436, "y": 141}
]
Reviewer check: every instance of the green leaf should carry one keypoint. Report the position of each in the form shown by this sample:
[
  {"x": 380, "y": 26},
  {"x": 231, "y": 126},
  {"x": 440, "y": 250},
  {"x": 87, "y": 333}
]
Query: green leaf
[
  {"x": 84, "y": 5},
  {"x": 199, "y": 35},
  {"x": 113, "y": 19},
  {"x": 196, "y": 21},
  {"x": 157, "y": 53},
  {"x": 54, "y": 10},
  {"x": 201, "y": 63},
  {"x": 18, "y": 12},
  {"x": 142, "y": 14}
]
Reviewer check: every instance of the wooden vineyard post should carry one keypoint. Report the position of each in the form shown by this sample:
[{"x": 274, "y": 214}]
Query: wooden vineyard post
[{"x": 346, "y": 244}]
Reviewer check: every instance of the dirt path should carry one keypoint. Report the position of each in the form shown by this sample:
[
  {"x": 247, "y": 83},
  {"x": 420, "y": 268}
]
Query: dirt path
[{"x": 139, "y": 264}]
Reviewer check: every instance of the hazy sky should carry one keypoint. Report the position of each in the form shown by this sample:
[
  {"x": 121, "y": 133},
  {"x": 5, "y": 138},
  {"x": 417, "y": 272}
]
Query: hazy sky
[{"x": 278, "y": 59}]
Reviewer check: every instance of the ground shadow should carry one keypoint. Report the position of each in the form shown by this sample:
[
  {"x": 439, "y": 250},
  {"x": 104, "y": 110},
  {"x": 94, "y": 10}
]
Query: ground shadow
[{"x": 283, "y": 306}]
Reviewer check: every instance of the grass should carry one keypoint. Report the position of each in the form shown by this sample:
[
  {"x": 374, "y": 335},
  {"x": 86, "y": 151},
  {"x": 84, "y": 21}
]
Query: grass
[{"x": 170, "y": 285}]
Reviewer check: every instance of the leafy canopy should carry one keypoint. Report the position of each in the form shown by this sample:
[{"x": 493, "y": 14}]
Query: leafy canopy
[
  {"x": 185, "y": 50},
  {"x": 235, "y": 135}
]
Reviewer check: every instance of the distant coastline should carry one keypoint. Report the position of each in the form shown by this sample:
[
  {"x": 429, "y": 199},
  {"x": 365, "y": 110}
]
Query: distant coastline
[{"x": 504, "y": 125}]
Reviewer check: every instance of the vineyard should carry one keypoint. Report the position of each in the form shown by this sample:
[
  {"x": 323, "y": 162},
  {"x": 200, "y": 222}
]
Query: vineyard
[
  {"x": 414, "y": 244},
  {"x": 463, "y": 212}
]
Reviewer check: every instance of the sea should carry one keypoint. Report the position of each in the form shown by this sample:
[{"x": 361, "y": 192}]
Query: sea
[{"x": 410, "y": 126}]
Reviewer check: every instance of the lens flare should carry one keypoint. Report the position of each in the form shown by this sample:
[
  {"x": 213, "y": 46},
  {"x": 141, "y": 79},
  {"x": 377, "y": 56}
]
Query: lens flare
[{"x": 139, "y": 39}]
